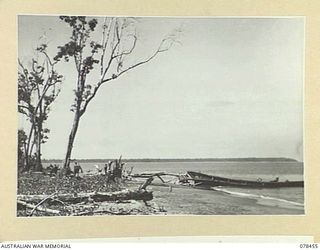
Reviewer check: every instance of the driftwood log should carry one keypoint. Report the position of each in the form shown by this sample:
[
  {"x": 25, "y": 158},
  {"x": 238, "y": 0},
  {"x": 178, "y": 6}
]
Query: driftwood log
[
  {"x": 35, "y": 202},
  {"x": 41, "y": 202},
  {"x": 24, "y": 204},
  {"x": 151, "y": 175},
  {"x": 145, "y": 184},
  {"x": 85, "y": 197}
]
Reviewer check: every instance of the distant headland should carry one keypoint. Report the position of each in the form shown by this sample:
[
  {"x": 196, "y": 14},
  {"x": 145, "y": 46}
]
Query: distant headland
[{"x": 248, "y": 159}]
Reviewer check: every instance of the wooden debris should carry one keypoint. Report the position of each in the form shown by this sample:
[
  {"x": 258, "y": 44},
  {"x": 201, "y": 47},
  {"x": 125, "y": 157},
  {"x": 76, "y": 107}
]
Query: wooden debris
[
  {"x": 95, "y": 196},
  {"x": 80, "y": 197},
  {"x": 38, "y": 208},
  {"x": 146, "y": 183},
  {"x": 102, "y": 211},
  {"x": 151, "y": 174},
  {"x": 41, "y": 202}
]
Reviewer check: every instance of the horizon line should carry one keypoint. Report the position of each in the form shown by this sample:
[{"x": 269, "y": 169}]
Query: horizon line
[{"x": 180, "y": 158}]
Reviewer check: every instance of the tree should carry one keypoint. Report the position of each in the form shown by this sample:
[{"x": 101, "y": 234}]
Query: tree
[
  {"x": 38, "y": 87},
  {"x": 22, "y": 139},
  {"x": 107, "y": 59}
]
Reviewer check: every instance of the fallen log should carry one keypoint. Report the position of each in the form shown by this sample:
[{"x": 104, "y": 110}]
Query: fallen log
[
  {"x": 38, "y": 208},
  {"x": 167, "y": 184},
  {"x": 151, "y": 174},
  {"x": 146, "y": 183},
  {"x": 41, "y": 202},
  {"x": 96, "y": 196},
  {"x": 102, "y": 211}
]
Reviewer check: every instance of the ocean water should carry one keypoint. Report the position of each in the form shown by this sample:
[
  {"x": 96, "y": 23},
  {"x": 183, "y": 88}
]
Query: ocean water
[
  {"x": 267, "y": 171},
  {"x": 284, "y": 197}
]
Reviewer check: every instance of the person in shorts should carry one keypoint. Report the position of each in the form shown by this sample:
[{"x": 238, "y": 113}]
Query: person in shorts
[{"x": 77, "y": 168}]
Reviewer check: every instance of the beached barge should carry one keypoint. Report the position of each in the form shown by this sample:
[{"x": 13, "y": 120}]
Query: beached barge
[{"x": 205, "y": 180}]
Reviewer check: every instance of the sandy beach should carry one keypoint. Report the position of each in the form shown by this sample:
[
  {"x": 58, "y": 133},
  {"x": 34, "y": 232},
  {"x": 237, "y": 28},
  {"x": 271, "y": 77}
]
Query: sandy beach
[
  {"x": 168, "y": 199},
  {"x": 209, "y": 202},
  {"x": 183, "y": 200}
]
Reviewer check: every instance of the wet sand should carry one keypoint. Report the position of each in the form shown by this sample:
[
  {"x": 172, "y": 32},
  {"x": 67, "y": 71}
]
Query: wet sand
[{"x": 187, "y": 201}]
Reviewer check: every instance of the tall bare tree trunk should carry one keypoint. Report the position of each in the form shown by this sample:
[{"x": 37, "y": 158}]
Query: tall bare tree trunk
[
  {"x": 25, "y": 157},
  {"x": 28, "y": 153},
  {"x": 38, "y": 166},
  {"x": 75, "y": 125}
]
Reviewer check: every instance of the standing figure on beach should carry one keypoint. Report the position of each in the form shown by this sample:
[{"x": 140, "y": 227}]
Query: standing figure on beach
[
  {"x": 77, "y": 168},
  {"x": 108, "y": 171},
  {"x": 122, "y": 169},
  {"x": 117, "y": 172},
  {"x": 107, "y": 167}
]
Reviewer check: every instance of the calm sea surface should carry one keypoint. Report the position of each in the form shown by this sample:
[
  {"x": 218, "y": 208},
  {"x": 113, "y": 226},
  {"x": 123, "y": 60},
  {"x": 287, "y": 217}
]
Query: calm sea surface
[{"x": 239, "y": 170}]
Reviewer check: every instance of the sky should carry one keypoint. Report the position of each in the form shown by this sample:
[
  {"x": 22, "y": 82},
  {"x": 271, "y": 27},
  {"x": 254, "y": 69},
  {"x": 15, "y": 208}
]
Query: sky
[{"x": 231, "y": 87}]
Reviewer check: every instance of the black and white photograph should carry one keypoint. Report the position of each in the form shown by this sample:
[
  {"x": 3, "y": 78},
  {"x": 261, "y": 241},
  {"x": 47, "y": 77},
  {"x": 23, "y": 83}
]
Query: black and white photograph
[{"x": 160, "y": 115}]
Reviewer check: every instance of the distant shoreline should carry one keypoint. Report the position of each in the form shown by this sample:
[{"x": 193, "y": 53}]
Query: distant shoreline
[{"x": 249, "y": 159}]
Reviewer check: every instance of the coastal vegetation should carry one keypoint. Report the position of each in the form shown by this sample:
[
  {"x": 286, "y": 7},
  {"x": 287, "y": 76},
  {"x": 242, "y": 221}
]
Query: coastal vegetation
[
  {"x": 38, "y": 87},
  {"x": 101, "y": 50}
]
